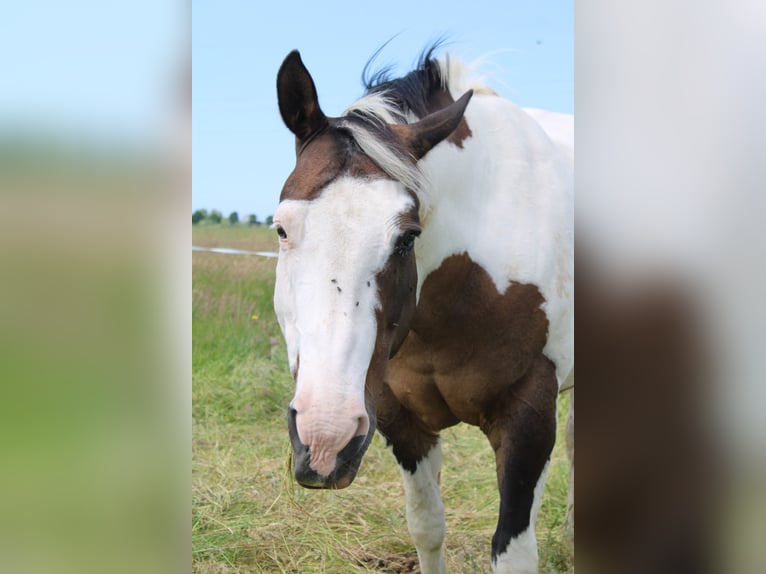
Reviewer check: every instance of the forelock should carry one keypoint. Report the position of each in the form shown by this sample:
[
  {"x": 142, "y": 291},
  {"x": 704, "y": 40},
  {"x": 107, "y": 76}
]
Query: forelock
[{"x": 366, "y": 122}]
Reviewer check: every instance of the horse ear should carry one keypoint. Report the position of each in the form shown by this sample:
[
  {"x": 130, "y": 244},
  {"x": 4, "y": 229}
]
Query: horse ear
[
  {"x": 298, "y": 101},
  {"x": 422, "y": 136}
]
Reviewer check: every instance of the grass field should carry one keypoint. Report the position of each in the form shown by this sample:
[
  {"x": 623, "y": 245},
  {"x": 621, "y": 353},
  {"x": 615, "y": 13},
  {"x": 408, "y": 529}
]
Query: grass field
[{"x": 248, "y": 514}]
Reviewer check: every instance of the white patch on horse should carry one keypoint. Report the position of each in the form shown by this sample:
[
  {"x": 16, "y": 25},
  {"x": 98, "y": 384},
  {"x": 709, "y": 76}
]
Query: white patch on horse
[
  {"x": 325, "y": 299},
  {"x": 520, "y": 557},
  {"x": 559, "y": 127},
  {"x": 425, "y": 511}
]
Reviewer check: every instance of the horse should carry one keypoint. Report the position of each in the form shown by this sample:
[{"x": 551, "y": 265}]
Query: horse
[{"x": 425, "y": 278}]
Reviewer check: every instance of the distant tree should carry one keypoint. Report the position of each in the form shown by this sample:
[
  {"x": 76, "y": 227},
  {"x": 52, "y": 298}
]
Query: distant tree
[
  {"x": 198, "y": 216},
  {"x": 233, "y": 218},
  {"x": 269, "y": 220},
  {"x": 215, "y": 216},
  {"x": 252, "y": 219}
]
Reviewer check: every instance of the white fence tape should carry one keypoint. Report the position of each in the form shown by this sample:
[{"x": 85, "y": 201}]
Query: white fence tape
[{"x": 230, "y": 251}]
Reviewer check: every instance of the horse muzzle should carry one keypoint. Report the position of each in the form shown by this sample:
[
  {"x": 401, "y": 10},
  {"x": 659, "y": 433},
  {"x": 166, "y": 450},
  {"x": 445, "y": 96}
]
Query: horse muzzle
[{"x": 347, "y": 460}]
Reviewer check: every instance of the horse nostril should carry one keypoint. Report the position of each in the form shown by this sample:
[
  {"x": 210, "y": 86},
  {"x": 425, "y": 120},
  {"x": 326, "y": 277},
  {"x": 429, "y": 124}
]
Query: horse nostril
[
  {"x": 363, "y": 425},
  {"x": 292, "y": 425}
]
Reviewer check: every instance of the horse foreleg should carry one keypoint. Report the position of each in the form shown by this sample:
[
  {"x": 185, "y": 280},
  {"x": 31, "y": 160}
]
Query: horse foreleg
[
  {"x": 522, "y": 429},
  {"x": 418, "y": 454},
  {"x": 425, "y": 510}
]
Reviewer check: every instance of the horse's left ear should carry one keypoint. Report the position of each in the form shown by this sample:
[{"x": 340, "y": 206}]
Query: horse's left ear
[
  {"x": 422, "y": 136},
  {"x": 298, "y": 101}
]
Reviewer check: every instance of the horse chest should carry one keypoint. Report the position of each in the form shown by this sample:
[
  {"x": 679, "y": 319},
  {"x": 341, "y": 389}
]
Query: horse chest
[{"x": 468, "y": 343}]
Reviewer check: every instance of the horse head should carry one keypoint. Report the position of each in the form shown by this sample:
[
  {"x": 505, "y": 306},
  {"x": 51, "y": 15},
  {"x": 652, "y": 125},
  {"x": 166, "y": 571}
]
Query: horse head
[{"x": 346, "y": 277}]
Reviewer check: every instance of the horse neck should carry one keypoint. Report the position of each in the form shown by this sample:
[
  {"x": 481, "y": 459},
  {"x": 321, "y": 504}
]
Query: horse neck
[{"x": 484, "y": 197}]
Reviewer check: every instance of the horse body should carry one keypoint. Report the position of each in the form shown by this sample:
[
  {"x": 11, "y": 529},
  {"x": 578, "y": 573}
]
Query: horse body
[
  {"x": 472, "y": 323},
  {"x": 504, "y": 197}
]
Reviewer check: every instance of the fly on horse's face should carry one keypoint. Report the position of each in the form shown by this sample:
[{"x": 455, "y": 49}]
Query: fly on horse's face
[{"x": 346, "y": 275}]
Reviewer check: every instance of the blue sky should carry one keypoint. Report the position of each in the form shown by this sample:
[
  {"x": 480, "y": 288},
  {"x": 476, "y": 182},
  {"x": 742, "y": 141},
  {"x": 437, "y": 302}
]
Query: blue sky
[
  {"x": 91, "y": 70},
  {"x": 243, "y": 152},
  {"x": 94, "y": 72}
]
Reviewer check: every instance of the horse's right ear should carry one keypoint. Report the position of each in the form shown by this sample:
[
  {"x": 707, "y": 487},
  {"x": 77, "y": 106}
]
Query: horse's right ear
[{"x": 298, "y": 101}]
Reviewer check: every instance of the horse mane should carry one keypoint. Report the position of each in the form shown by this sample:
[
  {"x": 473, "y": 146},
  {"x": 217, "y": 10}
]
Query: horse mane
[
  {"x": 402, "y": 100},
  {"x": 411, "y": 92}
]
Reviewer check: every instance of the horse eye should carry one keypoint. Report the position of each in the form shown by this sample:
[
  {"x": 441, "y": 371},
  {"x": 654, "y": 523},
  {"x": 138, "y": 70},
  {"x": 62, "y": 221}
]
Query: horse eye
[
  {"x": 281, "y": 232},
  {"x": 406, "y": 241}
]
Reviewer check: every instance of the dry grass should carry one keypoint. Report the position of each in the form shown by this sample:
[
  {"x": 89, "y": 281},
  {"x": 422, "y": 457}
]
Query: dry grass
[{"x": 248, "y": 514}]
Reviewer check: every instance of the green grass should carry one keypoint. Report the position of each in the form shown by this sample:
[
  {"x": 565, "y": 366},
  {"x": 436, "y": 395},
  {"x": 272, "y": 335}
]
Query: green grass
[
  {"x": 240, "y": 236},
  {"x": 249, "y": 516}
]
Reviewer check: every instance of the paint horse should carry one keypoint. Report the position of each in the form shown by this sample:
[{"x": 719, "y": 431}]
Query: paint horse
[{"x": 425, "y": 278}]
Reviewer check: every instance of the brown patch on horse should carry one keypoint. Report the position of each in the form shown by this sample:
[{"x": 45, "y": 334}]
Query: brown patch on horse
[
  {"x": 396, "y": 283},
  {"x": 468, "y": 344},
  {"x": 324, "y": 158}
]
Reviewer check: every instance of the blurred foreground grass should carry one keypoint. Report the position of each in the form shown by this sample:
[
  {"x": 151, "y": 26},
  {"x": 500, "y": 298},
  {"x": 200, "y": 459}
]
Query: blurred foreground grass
[
  {"x": 93, "y": 410},
  {"x": 249, "y": 516}
]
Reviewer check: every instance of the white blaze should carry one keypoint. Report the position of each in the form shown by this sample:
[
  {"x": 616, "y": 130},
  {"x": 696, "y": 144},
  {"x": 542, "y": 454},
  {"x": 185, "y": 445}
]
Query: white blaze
[{"x": 325, "y": 299}]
